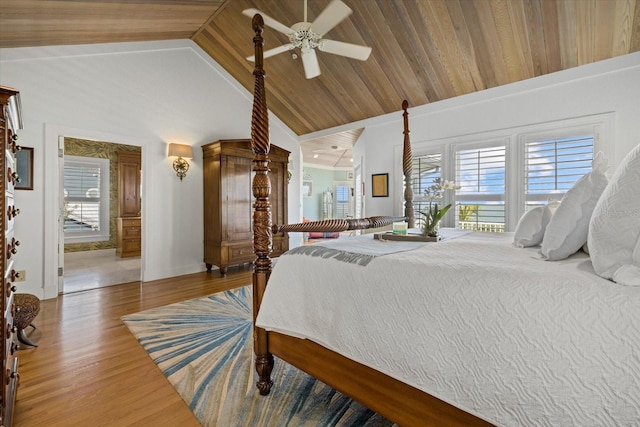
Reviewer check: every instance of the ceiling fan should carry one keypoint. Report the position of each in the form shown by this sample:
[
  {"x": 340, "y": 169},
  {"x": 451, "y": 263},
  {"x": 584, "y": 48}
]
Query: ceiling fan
[{"x": 308, "y": 36}]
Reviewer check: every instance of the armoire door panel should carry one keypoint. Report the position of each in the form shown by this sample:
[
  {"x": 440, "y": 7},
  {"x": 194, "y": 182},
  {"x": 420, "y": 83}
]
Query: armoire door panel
[{"x": 238, "y": 199}]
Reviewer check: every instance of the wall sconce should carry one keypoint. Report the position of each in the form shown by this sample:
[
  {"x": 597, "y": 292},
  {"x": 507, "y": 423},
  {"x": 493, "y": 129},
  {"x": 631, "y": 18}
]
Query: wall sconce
[{"x": 180, "y": 165}]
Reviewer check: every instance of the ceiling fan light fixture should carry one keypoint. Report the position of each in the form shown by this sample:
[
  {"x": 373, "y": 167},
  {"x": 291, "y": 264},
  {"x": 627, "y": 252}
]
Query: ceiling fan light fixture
[
  {"x": 308, "y": 37},
  {"x": 302, "y": 37}
]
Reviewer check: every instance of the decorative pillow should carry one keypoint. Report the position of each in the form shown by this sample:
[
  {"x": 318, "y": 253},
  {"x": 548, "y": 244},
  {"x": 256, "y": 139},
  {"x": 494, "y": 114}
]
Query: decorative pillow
[
  {"x": 530, "y": 228},
  {"x": 614, "y": 232},
  {"x": 568, "y": 228}
]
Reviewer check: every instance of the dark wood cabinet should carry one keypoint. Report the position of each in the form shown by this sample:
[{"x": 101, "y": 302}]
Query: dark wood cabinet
[
  {"x": 129, "y": 224},
  {"x": 10, "y": 122},
  {"x": 228, "y": 202},
  {"x": 129, "y": 237}
]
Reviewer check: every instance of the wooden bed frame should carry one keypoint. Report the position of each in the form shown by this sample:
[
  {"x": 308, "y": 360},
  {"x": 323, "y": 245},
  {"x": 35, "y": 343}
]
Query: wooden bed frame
[{"x": 395, "y": 400}]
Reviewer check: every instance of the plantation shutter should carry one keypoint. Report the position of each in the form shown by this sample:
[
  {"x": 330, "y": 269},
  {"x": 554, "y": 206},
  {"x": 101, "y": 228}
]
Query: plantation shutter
[
  {"x": 480, "y": 201},
  {"x": 552, "y": 167},
  {"x": 425, "y": 170},
  {"x": 342, "y": 201}
]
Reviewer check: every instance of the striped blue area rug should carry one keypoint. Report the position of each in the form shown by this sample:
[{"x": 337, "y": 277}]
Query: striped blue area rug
[{"x": 204, "y": 348}]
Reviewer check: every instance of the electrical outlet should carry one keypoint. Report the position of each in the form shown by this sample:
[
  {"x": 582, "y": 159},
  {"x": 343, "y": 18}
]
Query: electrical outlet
[{"x": 21, "y": 275}]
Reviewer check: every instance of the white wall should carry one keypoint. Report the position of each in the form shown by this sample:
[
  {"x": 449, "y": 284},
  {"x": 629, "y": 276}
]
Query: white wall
[
  {"x": 607, "y": 86},
  {"x": 147, "y": 94}
]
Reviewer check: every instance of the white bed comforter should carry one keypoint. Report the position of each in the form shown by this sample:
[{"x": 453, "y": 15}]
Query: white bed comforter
[{"x": 485, "y": 326}]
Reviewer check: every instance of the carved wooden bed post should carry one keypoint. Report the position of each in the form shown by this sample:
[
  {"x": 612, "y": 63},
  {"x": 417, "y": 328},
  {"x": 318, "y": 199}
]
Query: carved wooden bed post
[
  {"x": 262, "y": 237},
  {"x": 407, "y": 166},
  {"x": 262, "y": 221}
]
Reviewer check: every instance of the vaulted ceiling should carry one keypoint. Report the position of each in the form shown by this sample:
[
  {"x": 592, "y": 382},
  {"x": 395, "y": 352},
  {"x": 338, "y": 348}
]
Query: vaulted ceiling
[{"x": 423, "y": 50}]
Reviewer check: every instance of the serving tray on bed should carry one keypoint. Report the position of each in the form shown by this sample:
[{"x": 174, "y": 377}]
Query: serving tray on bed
[{"x": 409, "y": 237}]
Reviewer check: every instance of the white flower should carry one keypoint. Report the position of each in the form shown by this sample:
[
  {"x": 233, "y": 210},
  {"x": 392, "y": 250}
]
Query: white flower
[
  {"x": 449, "y": 185},
  {"x": 435, "y": 191}
]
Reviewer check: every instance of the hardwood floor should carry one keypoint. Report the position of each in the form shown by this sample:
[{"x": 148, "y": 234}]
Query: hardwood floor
[{"x": 89, "y": 370}]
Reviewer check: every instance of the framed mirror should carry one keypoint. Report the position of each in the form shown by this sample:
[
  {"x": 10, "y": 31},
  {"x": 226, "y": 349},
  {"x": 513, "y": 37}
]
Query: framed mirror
[{"x": 24, "y": 168}]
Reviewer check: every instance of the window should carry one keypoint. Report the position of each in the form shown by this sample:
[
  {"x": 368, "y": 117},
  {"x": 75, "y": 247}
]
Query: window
[
  {"x": 553, "y": 166},
  {"x": 505, "y": 172},
  {"x": 342, "y": 201},
  {"x": 86, "y": 199},
  {"x": 480, "y": 201},
  {"x": 426, "y": 169}
]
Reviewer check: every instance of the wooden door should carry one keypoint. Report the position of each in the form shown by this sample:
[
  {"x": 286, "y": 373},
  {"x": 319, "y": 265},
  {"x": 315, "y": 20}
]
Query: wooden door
[{"x": 129, "y": 166}]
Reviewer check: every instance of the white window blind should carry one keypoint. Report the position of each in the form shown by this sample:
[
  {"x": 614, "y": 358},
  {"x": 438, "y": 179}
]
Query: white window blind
[
  {"x": 480, "y": 201},
  {"x": 553, "y": 166},
  {"x": 86, "y": 199}
]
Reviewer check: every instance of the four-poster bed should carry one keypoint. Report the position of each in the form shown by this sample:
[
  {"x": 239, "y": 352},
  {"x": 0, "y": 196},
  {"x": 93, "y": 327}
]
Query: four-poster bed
[
  {"x": 387, "y": 396},
  {"x": 468, "y": 331}
]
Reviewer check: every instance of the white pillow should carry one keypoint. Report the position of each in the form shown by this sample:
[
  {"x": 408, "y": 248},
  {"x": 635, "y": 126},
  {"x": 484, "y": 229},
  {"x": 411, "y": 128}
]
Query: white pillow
[
  {"x": 530, "y": 228},
  {"x": 614, "y": 232},
  {"x": 568, "y": 228}
]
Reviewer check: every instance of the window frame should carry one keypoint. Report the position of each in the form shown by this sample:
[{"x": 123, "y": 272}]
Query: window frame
[
  {"x": 103, "y": 234},
  {"x": 417, "y": 198},
  {"x": 339, "y": 205},
  {"x": 498, "y": 141},
  {"x": 599, "y": 125}
]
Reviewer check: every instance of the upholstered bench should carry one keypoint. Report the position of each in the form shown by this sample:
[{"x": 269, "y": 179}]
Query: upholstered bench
[{"x": 27, "y": 307}]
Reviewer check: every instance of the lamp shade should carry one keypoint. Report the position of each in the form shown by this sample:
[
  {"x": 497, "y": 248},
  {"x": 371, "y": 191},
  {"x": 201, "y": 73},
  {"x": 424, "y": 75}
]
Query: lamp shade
[{"x": 180, "y": 150}]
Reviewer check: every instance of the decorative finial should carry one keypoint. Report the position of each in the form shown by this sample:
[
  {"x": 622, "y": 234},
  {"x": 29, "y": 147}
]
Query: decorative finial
[{"x": 257, "y": 22}]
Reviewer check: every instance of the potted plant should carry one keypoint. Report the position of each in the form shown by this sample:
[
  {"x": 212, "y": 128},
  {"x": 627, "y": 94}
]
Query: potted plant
[{"x": 433, "y": 215}]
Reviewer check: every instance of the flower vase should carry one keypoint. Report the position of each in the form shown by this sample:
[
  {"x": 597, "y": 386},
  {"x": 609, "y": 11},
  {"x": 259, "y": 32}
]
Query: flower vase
[{"x": 432, "y": 231}]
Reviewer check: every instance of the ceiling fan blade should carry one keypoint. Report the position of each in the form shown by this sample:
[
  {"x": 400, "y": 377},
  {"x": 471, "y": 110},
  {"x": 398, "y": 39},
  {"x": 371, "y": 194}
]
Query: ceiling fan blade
[
  {"x": 269, "y": 21},
  {"x": 310, "y": 63},
  {"x": 349, "y": 50},
  {"x": 273, "y": 52},
  {"x": 331, "y": 16}
]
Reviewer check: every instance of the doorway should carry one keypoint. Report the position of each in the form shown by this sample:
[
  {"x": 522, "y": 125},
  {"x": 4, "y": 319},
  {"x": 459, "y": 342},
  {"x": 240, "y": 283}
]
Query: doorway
[{"x": 90, "y": 180}]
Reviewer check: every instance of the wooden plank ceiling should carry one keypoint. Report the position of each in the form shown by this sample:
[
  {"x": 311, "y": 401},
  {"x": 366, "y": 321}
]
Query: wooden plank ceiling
[{"x": 423, "y": 50}]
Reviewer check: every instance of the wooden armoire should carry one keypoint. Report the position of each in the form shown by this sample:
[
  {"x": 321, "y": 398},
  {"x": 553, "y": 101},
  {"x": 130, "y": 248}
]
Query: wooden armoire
[
  {"x": 228, "y": 201},
  {"x": 129, "y": 223},
  {"x": 10, "y": 122}
]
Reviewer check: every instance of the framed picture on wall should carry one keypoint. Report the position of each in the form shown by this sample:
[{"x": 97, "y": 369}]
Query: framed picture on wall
[
  {"x": 380, "y": 185},
  {"x": 24, "y": 168},
  {"x": 307, "y": 188}
]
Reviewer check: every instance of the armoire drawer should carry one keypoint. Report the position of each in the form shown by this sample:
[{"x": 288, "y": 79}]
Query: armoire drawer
[
  {"x": 131, "y": 245},
  {"x": 131, "y": 232},
  {"x": 241, "y": 253},
  {"x": 130, "y": 222}
]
